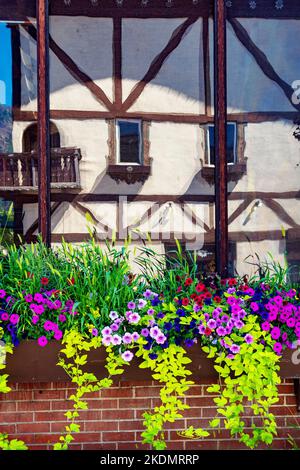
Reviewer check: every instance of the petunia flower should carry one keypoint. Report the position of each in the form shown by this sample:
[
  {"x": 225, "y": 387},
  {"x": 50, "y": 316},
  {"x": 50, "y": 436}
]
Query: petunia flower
[
  {"x": 113, "y": 315},
  {"x": 42, "y": 341},
  {"x": 127, "y": 356},
  {"x": 127, "y": 338},
  {"x": 14, "y": 318}
]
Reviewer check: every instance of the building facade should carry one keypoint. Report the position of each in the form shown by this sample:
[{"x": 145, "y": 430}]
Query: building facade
[{"x": 132, "y": 125}]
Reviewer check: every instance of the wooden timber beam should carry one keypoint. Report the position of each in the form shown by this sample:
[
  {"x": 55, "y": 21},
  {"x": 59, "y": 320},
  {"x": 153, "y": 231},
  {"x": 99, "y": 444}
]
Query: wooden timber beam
[
  {"x": 220, "y": 104},
  {"x": 44, "y": 171}
]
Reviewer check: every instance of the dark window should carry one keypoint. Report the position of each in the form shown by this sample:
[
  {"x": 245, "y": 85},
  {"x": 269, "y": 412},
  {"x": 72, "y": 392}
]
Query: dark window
[
  {"x": 30, "y": 138},
  {"x": 231, "y": 143},
  {"x": 129, "y": 142}
]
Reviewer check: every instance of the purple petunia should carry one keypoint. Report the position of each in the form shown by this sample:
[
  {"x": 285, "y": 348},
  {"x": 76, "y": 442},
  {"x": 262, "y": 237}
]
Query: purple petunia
[
  {"x": 235, "y": 349},
  {"x": 127, "y": 338},
  {"x": 249, "y": 339},
  {"x": 127, "y": 356},
  {"x": 131, "y": 305}
]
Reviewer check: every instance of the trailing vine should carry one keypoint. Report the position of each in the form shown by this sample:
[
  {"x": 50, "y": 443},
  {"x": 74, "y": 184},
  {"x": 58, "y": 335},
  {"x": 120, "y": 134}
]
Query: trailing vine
[
  {"x": 168, "y": 369},
  {"x": 5, "y": 442},
  {"x": 76, "y": 351},
  {"x": 248, "y": 379}
]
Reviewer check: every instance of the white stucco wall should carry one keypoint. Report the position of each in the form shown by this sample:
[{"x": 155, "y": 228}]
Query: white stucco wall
[{"x": 273, "y": 154}]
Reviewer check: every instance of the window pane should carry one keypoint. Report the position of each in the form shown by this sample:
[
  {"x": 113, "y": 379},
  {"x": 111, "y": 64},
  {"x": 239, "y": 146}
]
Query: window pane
[
  {"x": 264, "y": 204},
  {"x": 231, "y": 143},
  {"x": 18, "y": 106},
  {"x": 129, "y": 143}
]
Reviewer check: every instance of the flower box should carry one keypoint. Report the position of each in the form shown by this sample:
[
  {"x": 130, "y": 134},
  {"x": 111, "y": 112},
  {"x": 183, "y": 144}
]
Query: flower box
[{"x": 31, "y": 363}]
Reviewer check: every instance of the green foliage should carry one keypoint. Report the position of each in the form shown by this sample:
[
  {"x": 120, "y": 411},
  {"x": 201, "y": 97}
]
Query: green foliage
[
  {"x": 249, "y": 380},
  {"x": 169, "y": 369},
  {"x": 5, "y": 442},
  {"x": 76, "y": 349}
]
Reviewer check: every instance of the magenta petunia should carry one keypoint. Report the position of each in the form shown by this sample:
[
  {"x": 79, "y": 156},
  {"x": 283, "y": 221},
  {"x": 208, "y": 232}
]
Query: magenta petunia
[
  {"x": 265, "y": 326},
  {"x": 291, "y": 322},
  {"x": 2, "y": 294},
  {"x": 28, "y": 298},
  {"x": 62, "y": 318},
  {"x": 254, "y": 306},
  {"x": 4, "y": 316},
  {"x": 42, "y": 341},
  {"x": 278, "y": 348},
  {"x": 275, "y": 333},
  {"x": 48, "y": 325},
  {"x": 38, "y": 298},
  {"x": 58, "y": 335},
  {"x": 34, "y": 319},
  {"x": 235, "y": 349},
  {"x": 14, "y": 318}
]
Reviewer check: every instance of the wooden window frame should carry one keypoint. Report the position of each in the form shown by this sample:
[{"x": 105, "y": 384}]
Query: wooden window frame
[
  {"x": 118, "y": 141},
  {"x": 129, "y": 173},
  {"x": 235, "y": 170}
]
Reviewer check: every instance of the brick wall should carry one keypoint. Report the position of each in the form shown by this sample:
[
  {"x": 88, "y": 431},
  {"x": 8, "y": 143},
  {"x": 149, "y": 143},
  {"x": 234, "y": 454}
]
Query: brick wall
[{"x": 35, "y": 414}]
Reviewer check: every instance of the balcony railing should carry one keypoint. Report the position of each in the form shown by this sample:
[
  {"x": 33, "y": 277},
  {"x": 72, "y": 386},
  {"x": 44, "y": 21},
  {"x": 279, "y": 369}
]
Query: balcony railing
[{"x": 20, "y": 170}]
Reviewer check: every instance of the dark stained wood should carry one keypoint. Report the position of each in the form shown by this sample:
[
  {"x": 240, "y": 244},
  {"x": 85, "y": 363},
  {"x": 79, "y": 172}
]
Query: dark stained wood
[
  {"x": 280, "y": 212},
  {"x": 262, "y": 60},
  {"x": 117, "y": 62},
  {"x": 237, "y": 195},
  {"x": 43, "y": 120},
  {"x": 256, "y": 117},
  {"x": 239, "y": 210},
  {"x": 220, "y": 103},
  {"x": 74, "y": 69},
  {"x": 131, "y": 174},
  {"x": 31, "y": 363},
  {"x": 206, "y": 66},
  {"x": 157, "y": 63},
  {"x": 84, "y": 210},
  {"x": 34, "y": 226},
  {"x": 16, "y": 67},
  {"x": 18, "y": 222}
]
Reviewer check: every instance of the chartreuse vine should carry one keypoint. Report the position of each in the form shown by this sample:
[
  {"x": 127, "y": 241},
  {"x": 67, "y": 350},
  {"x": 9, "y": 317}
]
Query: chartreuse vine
[
  {"x": 5, "y": 443},
  {"x": 76, "y": 350},
  {"x": 248, "y": 380},
  {"x": 168, "y": 369}
]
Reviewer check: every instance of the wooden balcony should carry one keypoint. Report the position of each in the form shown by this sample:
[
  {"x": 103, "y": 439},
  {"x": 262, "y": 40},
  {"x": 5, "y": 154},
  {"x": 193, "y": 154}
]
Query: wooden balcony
[{"x": 19, "y": 171}]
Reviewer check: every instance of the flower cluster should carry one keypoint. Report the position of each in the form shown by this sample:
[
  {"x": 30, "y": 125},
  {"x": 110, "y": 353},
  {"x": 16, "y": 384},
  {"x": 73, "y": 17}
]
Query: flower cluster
[{"x": 9, "y": 320}]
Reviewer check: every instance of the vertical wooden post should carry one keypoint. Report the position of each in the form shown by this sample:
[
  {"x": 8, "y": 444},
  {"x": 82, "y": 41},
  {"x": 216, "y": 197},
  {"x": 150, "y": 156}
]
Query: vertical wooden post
[
  {"x": 42, "y": 9},
  {"x": 220, "y": 108}
]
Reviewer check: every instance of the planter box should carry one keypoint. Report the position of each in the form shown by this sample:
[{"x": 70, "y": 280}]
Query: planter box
[{"x": 31, "y": 363}]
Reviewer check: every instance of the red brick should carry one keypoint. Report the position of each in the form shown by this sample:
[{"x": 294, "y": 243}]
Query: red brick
[
  {"x": 135, "y": 425},
  {"x": 231, "y": 445},
  {"x": 16, "y": 396},
  {"x": 33, "y": 428},
  {"x": 175, "y": 445},
  {"x": 201, "y": 445},
  {"x": 60, "y": 405},
  {"x": 64, "y": 385},
  {"x": 101, "y": 425},
  {"x": 134, "y": 403},
  {"x": 7, "y": 428},
  {"x": 49, "y": 395},
  {"x": 117, "y": 414},
  {"x": 132, "y": 446},
  {"x": 102, "y": 404},
  {"x": 117, "y": 393},
  {"x": 16, "y": 417},
  {"x": 109, "y": 446},
  {"x": 49, "y": 416},
  {"x": 286, "y": 389},
  {"x": 199, "y": 401},
  {"x": 8, "y": 406},
  {"x": 90, "y": 415},
  {"x": 35, "y": 386},
  {"x": 290, "y": 400},
  {"x": 147, "y": 391},
  {"x": 33, "y": 405},
  {"x": 195, "y": 390},
  {"x": 118, "y": 436}
]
